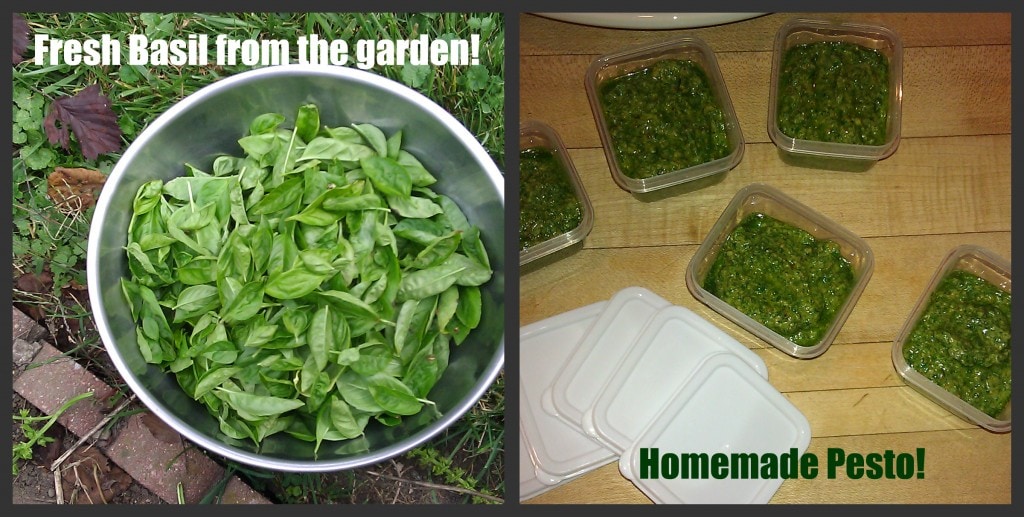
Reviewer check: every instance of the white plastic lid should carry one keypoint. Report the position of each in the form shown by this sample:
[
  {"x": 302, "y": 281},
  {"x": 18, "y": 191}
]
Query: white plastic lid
[
  {"x": 559, "y": 450},
  {"x": 597, "y": 356},
  {"x": 725, "y": 408},
  {"x": 669, "y": 350},
  {"x": 529, "y": 485}
]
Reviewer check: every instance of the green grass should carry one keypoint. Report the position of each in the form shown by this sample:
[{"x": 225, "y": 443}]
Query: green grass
[{"x": 51, "y": 243}]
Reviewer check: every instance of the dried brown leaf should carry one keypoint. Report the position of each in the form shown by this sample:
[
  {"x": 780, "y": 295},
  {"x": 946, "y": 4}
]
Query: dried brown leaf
[
  {"x": 21, "y": 32},
  {"x": 31, "y": 282},
  {"x": 89, "y": 115},
  {"x": 88, "y": 477},
  {"x": 52, "y": 450},
  {"x": 74, "y": 188},
  {"x": 160, "y": 430}
]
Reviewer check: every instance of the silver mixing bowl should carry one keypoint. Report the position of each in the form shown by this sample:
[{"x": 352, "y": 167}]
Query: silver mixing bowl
[{"x": 208, "y": 123}]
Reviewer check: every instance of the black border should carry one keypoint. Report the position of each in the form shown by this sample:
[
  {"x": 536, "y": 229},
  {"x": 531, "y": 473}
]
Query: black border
[{"x": 512, "y": 12}]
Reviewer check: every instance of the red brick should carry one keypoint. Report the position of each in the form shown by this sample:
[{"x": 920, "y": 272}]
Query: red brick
[
  {"x": 54, "y": 380},
  {"x": 26, "y": 328},
  {"x": 160, "y": 466},
  {"x": 237, "y": 492}
]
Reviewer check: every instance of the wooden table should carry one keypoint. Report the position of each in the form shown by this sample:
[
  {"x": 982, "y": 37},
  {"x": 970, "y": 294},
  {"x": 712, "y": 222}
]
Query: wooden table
[{"x": 947, "y": 184}]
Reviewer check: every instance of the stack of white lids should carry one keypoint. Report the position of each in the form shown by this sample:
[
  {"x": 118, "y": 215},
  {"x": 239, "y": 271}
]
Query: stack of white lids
[{"x": 637, "y": 376}]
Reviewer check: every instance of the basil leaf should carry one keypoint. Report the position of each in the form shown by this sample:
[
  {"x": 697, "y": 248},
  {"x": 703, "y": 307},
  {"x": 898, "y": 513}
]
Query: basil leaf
[
  {"x": 469, "y": 310},
  {"x": 213, "y": 379},
  {"x": 356, "y": 392},
  {"x": 387, "y": 176},
  {"x": 195, "y": 300},
  {"x": 392, "y": 395},
  {"x": 394, "y": 145},
  {"x": 328, "y": 148},
  {"x": 257, "y": 405},
  {"x": 417, "y": 173},
  {"x": 349, "y": 304},
  {"x": 307, "y": 122},
  {"x": 420, "y": 231},
  {"x": 147, "y": 198},
  {"x": 246, "y": 304},
  {"x": 448, "y": 305},
  {"x": 294, "y": 283},
  {"x": 265, "y": 123},
  {"x": 281, "y": 197},
  {"x": 320, "y": 336},
  {"x": 344, "y": 421},
  {"x": 430, "y": 281},
  {"x": 374, "y": 137},
  {"x": 351, "y": 203},
  {"x": 413, "y": 206}
]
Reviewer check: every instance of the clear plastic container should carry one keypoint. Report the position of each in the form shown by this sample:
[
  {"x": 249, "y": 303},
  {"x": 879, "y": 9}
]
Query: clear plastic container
[
  {"x": 534, "y": 134},
  {"x": 625, "y": 62},
  {"x": 764, "y": 199},
  {"x": 831, "y": 155},
  {"x": 991, "y": 268}
]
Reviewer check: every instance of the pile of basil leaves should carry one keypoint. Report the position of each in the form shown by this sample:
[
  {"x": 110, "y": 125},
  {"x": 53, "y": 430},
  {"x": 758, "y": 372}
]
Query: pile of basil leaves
[{"x": 311, "y": 285}]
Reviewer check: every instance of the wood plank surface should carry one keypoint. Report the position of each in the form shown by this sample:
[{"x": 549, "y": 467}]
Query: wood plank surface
[{"x": 947, "y": 184}]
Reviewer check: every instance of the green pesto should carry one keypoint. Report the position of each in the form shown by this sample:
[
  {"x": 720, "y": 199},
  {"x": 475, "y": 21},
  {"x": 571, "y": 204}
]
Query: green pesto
[
  {"x": 782, "y": 277},
  {"x": 831, "y": 91},
  {"x": 962, "y": 341},
  {"x": 548, "y": 205},
  {"x": 664, "y": 118}
]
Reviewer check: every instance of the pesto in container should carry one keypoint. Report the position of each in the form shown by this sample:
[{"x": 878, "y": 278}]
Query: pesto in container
[
  {"x": 548, "y": 205},
  {"x": 962, "y": 341},
  {"x": 834, "y": 91},
  {"x": 663, "y": 118},
  {"x": 782, "y": 277}
]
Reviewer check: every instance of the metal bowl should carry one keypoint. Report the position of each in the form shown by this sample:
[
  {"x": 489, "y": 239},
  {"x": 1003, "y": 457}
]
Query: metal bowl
[{"x": 209, "y": 123}]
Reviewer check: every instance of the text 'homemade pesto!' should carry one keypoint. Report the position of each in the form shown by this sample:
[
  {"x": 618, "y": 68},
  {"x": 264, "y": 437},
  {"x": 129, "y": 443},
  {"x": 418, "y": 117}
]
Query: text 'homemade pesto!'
[
  {"x": 962, "y": 341},
  {"x": 664, "y": 118},
  {"x": 781, "y": 276},
  {"x": 548, "y": 205},
  {"x": 833, "y": 91}
]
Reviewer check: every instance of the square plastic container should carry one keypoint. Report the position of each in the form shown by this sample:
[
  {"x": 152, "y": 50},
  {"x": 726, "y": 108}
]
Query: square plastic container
[
  {"x": 725, "y": 408},
  {"x": 534, "y": 134},
  {"x": 625, "y": 62},
  {"x": 760, "y": 198},
  {"x": 558, "y": 450},
  {"x": 989, "y": 267},
  {"x": 841, "y": 156},
  {"x": 673, "y": 345},
  {"x": 599, "y": 353}
]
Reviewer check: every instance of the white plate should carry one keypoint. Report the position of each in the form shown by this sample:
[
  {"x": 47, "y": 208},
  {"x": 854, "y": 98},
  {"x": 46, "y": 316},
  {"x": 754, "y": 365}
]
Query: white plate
[
  {"x": 725, "y": 408},
  {"x": 673, "y": 345},
  {"x": 599, "y": 353},
  {"x": 651, "y": 20},
  {"x": 558, "y": 450}
]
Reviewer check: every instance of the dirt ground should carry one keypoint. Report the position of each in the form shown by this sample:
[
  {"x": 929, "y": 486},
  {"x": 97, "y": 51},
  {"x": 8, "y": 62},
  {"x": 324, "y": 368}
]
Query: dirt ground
[{"x": 35, "y": 482}]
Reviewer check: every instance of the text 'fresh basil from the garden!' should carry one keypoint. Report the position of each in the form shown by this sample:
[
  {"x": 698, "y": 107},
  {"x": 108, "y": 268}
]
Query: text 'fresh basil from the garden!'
[{"x": 311, "y": 285}]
